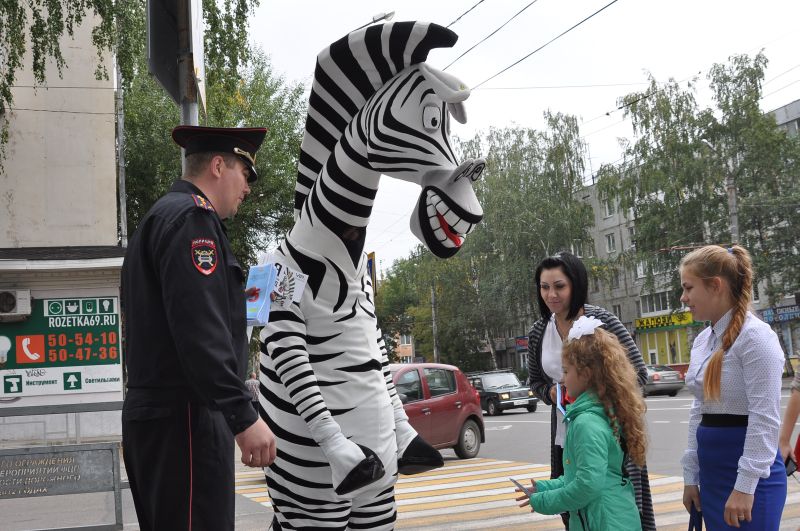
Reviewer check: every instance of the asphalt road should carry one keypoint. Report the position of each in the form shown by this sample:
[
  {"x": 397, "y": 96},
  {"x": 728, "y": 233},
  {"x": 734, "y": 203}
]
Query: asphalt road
[{"x": 521, "y": 436}]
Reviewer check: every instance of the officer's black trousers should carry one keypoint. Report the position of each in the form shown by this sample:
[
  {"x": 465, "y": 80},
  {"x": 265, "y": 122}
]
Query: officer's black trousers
[{"x": 179, "y": 459}]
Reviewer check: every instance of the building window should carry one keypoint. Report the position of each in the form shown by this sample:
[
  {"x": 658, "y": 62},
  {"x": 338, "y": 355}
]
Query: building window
[
  {"x": 638, "y": 307},
  {"x": 653, "y": 357},
  {"x": 611, "y": 243},
  {"x": 756, "y": 294},
  {"x": 608, "y": 208},
  {"x": 405, "y": 339},
  {"x": 655, "y": 303},
  {"x": 640, "y": 269},
  {"x": 595, "y": 284},
  {"x": 617, "y": 309},
  {"x": 614, "y": 279},
  {"x": 632, "y": 237}
]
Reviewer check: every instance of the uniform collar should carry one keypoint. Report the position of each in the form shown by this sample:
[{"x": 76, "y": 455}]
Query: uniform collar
[{"x": 186, "y": 187}]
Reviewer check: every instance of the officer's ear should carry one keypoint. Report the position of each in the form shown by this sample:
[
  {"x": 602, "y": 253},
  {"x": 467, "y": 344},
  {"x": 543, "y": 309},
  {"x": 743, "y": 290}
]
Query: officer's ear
[{"x": 216, "y": 165}]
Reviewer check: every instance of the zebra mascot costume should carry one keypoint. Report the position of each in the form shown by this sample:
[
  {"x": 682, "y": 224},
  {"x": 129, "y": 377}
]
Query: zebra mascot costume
[{"x": 326, "y": 391}]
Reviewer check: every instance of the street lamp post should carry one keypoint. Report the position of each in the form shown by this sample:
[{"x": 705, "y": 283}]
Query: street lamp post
[{"x": 377, "y": 18}]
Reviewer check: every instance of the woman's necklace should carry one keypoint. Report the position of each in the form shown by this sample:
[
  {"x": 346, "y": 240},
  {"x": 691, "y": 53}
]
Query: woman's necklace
[{"x": 563, "y": 327}]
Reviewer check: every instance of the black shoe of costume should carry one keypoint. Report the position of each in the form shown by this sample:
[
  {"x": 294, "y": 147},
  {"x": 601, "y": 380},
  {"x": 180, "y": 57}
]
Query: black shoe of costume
[
  {"x": 419, "y": 457},
  {"x": 367, "y": 471}
]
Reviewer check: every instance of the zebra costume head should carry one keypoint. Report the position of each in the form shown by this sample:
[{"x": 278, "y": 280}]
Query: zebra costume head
[{"x": 377, "y": 104}]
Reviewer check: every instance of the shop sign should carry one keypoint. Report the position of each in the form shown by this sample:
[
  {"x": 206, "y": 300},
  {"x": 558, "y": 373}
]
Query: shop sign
[
  {"x": 781, "y": 315},
  {"x": 521, "y": 343},
  {"x": 664, "y": 321},
  {"x": 67, "y": 346}
]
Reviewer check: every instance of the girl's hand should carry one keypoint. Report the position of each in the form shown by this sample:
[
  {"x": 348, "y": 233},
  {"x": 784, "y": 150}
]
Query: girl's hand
[
  {"x": 691, "y": 496},
  {"x": 525, "y": 499},
  {"x": 738, "y": 508},
  {"x": 786, "y": 450}
]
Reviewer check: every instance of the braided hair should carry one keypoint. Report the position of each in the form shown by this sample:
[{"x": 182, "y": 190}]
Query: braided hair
[{"x": 735, "y": 267}]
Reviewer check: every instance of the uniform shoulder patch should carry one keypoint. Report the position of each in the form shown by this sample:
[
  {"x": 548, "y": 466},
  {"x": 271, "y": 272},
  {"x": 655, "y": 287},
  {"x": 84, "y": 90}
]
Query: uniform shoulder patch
[
  {"x": 204, "y": 255},
  {"x": 202, "y": 202}
]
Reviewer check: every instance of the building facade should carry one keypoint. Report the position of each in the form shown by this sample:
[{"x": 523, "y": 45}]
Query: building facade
[{"x": 60, "y": 324}]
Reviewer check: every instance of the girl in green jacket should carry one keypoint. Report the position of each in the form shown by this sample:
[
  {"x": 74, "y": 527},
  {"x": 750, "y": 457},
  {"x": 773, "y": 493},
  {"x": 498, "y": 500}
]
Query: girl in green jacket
[{"x": 608, "y": 410}]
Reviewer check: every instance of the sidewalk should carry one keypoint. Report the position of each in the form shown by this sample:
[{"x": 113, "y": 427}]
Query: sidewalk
[{"x": 74, "y": 510}]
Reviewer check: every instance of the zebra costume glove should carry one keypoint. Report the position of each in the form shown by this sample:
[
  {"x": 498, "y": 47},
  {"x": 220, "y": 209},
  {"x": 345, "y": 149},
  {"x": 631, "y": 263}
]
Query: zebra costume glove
[{"x": 352, "y": 466}]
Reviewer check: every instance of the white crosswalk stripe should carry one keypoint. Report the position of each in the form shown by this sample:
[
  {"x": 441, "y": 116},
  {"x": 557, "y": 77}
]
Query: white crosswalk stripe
[{"x": 476, "y": 494}]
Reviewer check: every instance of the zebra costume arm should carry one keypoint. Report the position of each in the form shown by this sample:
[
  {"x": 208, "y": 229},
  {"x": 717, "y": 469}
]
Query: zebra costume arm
[
  {"x": 405, "y": 432},
  {"x": 352, "y": 465},
  {"x": 414, "y": 454}
]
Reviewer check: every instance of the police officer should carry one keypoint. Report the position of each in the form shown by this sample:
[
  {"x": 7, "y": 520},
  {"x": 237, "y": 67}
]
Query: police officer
[{"x": 186, "y": 345}]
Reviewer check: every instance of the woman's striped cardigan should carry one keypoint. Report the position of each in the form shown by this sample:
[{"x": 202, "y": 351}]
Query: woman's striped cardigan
[{"x": 541, "y": 382}]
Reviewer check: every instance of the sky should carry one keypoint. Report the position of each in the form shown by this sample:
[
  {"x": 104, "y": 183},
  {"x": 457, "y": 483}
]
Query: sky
[{"x": 582, "y": 73}]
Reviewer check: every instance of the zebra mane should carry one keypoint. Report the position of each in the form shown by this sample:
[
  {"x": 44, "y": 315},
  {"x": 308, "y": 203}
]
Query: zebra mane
[{"x": 347, "y": 74}]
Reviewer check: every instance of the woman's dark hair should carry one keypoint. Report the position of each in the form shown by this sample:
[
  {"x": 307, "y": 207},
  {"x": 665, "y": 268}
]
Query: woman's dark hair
[{"x": 575, "y": 271}]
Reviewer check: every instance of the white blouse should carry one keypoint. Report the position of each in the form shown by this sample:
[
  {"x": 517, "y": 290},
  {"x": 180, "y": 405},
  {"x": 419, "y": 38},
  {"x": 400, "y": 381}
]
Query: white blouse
[
  {"x": 750, "y": 385},
  {"x": 551, "y": 365}
]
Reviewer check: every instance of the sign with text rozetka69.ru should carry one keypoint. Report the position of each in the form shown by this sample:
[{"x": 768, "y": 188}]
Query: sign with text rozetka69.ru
[{"x": 66, "y": 346}]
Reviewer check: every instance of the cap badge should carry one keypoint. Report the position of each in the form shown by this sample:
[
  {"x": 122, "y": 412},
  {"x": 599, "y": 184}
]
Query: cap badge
[
  {"x": 245, "y": 154},
  {"x": 204, "y": 255}
]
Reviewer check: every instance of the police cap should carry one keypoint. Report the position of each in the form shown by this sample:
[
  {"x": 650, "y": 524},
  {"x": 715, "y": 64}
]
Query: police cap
[{"x": 241, "y": 141}]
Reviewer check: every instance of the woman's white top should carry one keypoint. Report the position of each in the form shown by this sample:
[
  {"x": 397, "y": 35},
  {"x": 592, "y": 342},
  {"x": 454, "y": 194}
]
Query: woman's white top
[
  {"x": 551, "y": 365},
  {"x": 750, "y": 385}
]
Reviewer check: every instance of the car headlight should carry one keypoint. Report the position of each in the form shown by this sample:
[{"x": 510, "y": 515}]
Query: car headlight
[
  {"x": 504, "y": 396},
  {"x": 530, "y": 393}
]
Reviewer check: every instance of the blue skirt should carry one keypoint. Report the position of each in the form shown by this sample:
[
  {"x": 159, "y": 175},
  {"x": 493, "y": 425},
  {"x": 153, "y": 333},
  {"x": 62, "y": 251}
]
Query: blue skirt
[{"x": 718, "y": 453}]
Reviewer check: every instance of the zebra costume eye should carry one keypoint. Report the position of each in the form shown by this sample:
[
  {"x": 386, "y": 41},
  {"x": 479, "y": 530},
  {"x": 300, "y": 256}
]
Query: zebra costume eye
[{"x": 431, "y": 118}]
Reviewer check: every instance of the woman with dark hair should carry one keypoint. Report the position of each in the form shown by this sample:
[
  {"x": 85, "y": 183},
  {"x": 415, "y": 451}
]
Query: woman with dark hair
[{"x": 562, "y": 286}]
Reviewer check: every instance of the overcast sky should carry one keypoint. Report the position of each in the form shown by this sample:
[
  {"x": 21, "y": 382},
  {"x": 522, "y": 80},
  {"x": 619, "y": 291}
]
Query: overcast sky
[{"x": 583, "y": 73}]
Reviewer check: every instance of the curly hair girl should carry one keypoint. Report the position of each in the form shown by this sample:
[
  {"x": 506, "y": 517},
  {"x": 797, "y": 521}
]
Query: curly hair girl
[{"x": 602, "y": 359}]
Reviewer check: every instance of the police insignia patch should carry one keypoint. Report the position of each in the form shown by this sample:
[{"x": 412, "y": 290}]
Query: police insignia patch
[
  {"x": 204, "y": 255},
  {"x": 202, "y": 202}
]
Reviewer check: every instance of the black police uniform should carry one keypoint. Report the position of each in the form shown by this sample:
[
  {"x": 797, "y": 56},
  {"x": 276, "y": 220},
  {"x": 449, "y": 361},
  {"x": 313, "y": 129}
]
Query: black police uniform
[{"x": 186, "y": 355}]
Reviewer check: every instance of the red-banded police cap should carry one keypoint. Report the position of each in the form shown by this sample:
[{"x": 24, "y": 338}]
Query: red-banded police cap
[{"x": 241, "y": 141}]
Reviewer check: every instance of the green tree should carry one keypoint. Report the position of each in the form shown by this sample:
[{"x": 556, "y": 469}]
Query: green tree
[
  {"x": 673, "y": 177},
  {"x": 260, "y": 98},
  {"x": 120, "y": 28}
]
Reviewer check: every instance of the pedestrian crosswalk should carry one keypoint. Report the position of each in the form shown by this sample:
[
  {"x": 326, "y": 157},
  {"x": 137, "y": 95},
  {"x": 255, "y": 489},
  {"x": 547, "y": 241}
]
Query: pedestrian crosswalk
[{"x": 476, "y": 494}]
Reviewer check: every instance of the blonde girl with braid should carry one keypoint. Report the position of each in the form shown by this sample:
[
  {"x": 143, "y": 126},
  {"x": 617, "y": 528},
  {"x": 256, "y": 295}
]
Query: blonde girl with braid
[
  {"x": 605, "y": 422},
  {"x": 732, "y": 469}
]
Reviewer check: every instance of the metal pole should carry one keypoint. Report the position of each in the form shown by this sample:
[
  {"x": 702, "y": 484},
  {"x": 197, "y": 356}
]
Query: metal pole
[
  {"x": 123, "y": 207},
  {"x": 186, "y": 84},
  {"x": 433, "y": 315}
]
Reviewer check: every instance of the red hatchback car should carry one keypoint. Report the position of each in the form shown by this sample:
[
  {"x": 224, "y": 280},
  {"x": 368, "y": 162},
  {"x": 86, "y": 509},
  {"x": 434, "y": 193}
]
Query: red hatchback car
[{"x": 441, "y": 405}]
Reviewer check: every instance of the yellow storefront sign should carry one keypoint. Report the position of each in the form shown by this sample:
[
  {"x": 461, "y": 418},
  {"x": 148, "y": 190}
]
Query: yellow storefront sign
[{"x": 663, "y": 321}]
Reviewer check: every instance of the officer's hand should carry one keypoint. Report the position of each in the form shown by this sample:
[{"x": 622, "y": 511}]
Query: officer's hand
[{"x": 257, "y": 444}]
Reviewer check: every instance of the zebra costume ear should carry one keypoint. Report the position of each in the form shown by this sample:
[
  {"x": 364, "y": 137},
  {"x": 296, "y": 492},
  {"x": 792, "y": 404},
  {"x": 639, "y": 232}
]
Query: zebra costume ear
[{"x": 347, "y": 74}]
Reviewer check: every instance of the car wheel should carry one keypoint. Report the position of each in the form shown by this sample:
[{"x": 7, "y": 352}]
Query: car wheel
[
  {"x": 674, "y": 393},
  {"x": 493, "y": 408},
  {"x": 531, "y": 409},
  {"x": 469, "y": 440}
]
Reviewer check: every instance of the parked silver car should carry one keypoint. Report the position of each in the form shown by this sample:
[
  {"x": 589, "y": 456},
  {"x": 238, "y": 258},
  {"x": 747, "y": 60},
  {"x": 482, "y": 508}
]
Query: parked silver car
[{"x": 663, "y": 380}]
